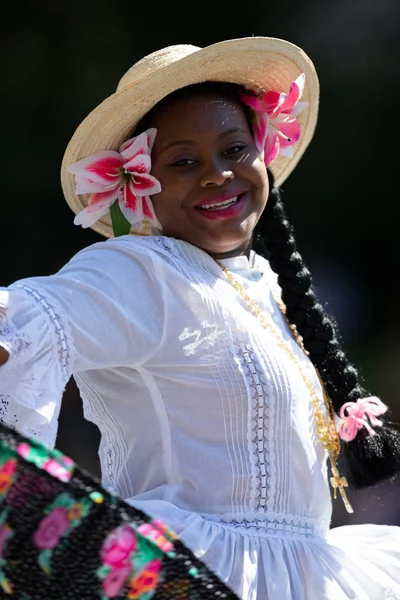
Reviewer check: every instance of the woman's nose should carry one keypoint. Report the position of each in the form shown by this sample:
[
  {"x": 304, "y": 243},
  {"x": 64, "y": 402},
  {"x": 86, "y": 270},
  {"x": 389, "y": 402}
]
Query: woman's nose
[{"x": 215, "y": 174}]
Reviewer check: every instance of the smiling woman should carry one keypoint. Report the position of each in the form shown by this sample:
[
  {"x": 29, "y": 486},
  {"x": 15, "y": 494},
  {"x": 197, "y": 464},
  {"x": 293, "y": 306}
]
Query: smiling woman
[{"x": 201, "y": 352}]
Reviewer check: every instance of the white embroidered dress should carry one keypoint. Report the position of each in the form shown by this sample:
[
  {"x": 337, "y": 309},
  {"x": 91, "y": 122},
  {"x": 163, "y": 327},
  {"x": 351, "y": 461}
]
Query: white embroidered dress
[{"x": 206, "y": 423}]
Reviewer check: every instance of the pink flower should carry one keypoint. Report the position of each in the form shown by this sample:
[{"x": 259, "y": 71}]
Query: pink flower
[
  {"x": 276, "y": 127},
  {"x": 51, "y": 528},
  {"x": 153, "y": 533},
  {"x": 115, "y": 581},
  {"x": 23, "y": 450},
  {"x": 56, "y": 470},
  {"x": 124, "y": 176},
  {"x": 118, "y": 546}
]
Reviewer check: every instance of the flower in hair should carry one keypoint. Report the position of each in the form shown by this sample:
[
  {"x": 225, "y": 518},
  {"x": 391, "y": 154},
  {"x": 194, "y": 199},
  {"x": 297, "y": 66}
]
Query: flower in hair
[
  {"x": 360, "y": 414},
  {"x": 276, "y": 127},
  {"x": 123, "y": 176}
]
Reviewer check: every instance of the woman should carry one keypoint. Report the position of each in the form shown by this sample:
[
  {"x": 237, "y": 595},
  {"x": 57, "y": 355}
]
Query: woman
[{"x": 216, "y": 409}]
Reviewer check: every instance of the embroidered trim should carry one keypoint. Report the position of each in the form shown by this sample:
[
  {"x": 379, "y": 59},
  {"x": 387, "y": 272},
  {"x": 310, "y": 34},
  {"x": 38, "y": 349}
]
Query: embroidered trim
[
  {"x": 59, "y": 328},
  {"x": 271, "y": 523},
  {"x": 261, "y": 413},
  {"x": 22, "y": 380},
  {"x": 14, "y": 342}
]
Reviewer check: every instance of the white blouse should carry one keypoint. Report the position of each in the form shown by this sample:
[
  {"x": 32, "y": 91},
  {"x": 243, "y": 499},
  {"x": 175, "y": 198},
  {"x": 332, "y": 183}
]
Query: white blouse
[{"x": 205, "y": 420}]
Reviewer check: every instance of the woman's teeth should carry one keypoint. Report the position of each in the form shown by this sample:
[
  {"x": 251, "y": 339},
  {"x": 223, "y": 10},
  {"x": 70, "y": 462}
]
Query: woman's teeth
[{"x": 219, "y": 205}]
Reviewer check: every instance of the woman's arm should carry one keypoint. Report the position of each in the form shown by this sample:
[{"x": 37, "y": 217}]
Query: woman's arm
[{"x": 104, "y": 309}]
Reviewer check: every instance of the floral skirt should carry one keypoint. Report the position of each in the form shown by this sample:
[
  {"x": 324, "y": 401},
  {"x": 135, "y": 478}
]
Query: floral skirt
[{"x": 63, "y": 537}]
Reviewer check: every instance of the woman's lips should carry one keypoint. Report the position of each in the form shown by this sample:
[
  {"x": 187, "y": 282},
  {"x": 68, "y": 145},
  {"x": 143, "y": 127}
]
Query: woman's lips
[{"x": 216, "y": 211}]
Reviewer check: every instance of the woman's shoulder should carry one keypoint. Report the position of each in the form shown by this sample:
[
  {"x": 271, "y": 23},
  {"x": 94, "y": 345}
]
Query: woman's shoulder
[
  {"x": 136, "y": 255},
  {"x": 137, "y": 249},
  {"x": 156, "y": 245}
]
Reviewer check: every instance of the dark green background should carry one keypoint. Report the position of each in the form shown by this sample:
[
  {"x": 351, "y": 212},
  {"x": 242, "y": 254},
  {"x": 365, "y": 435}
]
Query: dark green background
[{"x": 60, "y": 59}]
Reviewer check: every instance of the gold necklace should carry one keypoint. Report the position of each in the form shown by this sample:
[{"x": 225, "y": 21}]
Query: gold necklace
[{"x": 325, "y": 425}]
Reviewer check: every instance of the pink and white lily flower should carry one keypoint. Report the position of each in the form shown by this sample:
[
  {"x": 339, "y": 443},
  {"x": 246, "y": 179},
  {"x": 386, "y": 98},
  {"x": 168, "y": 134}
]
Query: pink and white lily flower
[
  {"x": 124, "y": 176},
  {"x": 276, "y": 127}
]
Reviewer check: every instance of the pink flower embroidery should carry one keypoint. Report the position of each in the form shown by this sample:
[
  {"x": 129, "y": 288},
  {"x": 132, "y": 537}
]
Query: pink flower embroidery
[
  {"x": 124, "y": 176},
  {"x": 115, "y": 581},
  {"x": 276, "y": 128},
  {"x": 56, "y": 470},
  {"x": 23, "y": 450},
  {"x": 151, "y": 532},
  {"x": 118, "y": 546},
  {"x": 51, "y": 528}
]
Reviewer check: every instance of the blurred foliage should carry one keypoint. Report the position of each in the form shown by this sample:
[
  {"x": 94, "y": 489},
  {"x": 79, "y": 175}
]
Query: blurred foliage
[{"x": 60, "y": 59}]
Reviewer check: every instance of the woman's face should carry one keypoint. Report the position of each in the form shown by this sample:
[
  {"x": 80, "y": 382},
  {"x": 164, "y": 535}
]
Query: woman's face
[{"x": 214, "y": 182}]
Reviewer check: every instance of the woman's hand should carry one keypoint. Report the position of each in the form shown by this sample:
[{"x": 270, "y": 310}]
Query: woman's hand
[{"x": 3, "y": 355}]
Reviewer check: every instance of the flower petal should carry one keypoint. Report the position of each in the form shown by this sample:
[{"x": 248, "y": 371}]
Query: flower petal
[
  {"x": 296, "y": 110},
  {"x": 271, "y": 101},
  {"x": 130, "y": 205},
  {"x": 135, "y": 146},
  {"x": 102, "y": 168},
  {"x": 144, "y": 184},
  {"x": 83, "y": 185},
  {"x": 253, "y": 101},
  {"x": 151, "y": 136},
  {"x": 140, "y": 163},
  {"x": 271, "y": 149},
  {"x": 294, "y": 95},
  {"x": 288, "y": 128},
  {"x": 260, "y": 130},
  {"x": 288, "y": 151},
  {"x": 97, "y": 207},
  {"x": 149, "y": 212}
]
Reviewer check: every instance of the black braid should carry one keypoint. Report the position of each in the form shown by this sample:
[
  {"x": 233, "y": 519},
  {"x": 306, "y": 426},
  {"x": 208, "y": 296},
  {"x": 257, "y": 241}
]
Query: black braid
[{"x": 368, "y": 459}]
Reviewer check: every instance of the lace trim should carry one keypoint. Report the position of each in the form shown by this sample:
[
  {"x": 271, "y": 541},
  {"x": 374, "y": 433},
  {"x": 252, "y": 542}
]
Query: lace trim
[
  {"x": 259, "y": 517},
  {"x": 271, "y": 521},
  {"x": 14, "y": 342},
  {"x": 59, "y": 328},
  {"x": 390, "y": 595},
  {"x": 24, "y": 380},
  {"x": 263, "y": 481}
]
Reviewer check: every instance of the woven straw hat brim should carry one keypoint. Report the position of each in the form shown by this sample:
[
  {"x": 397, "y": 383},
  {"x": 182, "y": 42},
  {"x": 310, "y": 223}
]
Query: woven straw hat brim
[{"x": 258, "y": 63}]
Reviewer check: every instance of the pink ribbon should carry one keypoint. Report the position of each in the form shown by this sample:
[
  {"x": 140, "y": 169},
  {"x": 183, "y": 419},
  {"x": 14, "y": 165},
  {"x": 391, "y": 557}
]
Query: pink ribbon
[{"x": 354, "y": 417}]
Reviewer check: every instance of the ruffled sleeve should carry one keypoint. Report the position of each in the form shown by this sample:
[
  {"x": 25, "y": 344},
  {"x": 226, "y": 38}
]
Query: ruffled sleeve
[{"x": 104, "y": 309}]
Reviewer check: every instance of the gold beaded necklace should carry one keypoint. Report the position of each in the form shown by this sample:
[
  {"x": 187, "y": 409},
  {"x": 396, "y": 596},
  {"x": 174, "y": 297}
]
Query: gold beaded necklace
[{"x": 325, "y": 424}]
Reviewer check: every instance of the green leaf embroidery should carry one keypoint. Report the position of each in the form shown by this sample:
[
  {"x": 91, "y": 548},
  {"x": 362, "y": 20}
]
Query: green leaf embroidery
[
  {"x": 44, "y": 561},
  {"x": 103, "y": 571}
]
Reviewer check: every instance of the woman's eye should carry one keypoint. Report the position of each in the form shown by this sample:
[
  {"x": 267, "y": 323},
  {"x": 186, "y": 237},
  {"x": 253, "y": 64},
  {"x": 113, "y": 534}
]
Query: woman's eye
[
  {"x": 183, "y": 162},
  {"x": 235, "y": 149}
]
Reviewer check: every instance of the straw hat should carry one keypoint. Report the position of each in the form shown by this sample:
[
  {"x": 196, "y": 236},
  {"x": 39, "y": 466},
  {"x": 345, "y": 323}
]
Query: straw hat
[{"x": 258, "y": 63}]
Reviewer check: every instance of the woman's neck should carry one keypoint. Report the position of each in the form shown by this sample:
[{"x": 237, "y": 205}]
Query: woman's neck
[{"x": 243, "y": 250}]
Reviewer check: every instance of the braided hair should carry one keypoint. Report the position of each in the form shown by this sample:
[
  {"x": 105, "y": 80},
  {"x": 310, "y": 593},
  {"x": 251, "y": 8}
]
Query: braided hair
[{"x": 367, "y": 459}]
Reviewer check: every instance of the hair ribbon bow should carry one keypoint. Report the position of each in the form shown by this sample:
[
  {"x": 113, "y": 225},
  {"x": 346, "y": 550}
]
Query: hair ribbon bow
[{"x": 363, "y": 413}]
